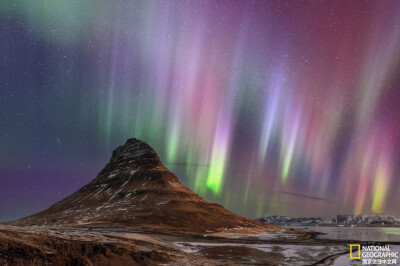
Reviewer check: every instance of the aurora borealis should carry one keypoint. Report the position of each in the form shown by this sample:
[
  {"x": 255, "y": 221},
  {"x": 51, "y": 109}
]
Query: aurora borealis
[{"x": 267, "y": 107}]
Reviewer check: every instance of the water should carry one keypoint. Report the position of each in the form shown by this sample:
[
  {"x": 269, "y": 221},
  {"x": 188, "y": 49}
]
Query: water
[{"x": 390, "y": 234}]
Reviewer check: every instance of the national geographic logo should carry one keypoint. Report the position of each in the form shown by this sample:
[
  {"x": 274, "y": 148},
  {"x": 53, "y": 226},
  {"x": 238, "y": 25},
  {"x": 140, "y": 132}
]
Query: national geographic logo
[
  {"x": 355, "y": 248},
  {"x": 374, "y": 254}
]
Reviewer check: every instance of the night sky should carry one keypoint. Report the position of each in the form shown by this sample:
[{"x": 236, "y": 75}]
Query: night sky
[{"x": 266, "y": 107}]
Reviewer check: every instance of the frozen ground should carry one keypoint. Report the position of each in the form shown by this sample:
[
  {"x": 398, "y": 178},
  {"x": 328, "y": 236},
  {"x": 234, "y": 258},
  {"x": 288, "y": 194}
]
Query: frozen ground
[
  {"x": 345, "y": 258},
  {"x": 290, "y": 254},
  {"x": 279, "y": 247}
]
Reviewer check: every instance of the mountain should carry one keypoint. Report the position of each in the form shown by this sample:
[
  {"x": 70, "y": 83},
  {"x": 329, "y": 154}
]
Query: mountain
[
  {"x": 290, "y": 220},
  {"x": 365, "y": 219},
  {"x": 136, "y": 190}
]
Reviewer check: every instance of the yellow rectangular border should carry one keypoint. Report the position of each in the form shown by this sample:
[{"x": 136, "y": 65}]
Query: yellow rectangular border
[{"x": 351, "y": 251}]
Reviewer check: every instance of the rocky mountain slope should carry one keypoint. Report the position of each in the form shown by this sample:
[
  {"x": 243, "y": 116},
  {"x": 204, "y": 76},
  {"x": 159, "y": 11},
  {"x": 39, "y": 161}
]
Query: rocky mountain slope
[{"x": 136, "y": 190}]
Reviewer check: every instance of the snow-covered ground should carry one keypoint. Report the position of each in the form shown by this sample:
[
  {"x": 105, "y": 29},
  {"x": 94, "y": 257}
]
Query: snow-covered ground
[
  {"x": 345, "y": 259},
  {"x": 293, "y": 254},
  {"x": 257, "y": 246}
]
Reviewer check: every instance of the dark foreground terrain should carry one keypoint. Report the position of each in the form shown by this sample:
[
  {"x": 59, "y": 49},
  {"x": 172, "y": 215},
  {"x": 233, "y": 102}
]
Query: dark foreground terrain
[{"x": 54, "y": 245}]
